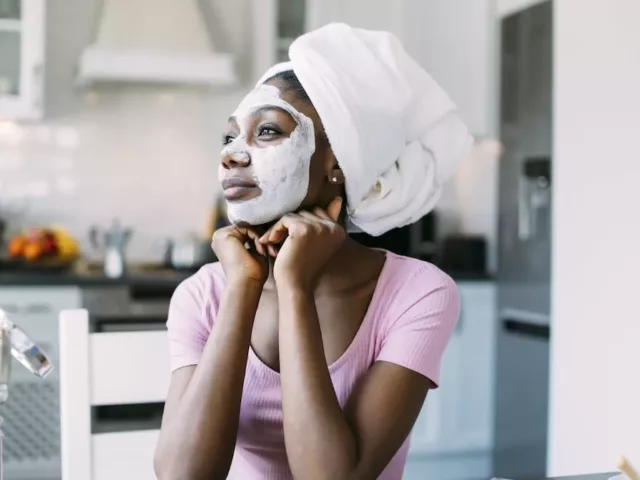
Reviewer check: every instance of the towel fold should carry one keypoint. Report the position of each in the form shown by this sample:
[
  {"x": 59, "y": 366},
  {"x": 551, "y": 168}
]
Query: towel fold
[{"x": 393, "y": 130}]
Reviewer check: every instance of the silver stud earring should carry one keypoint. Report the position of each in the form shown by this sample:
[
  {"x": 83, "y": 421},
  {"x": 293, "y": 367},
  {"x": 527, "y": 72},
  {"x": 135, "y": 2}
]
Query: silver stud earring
[{"x": 334, "y": 180}]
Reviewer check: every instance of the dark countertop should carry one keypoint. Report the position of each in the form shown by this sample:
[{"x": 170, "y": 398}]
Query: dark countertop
[
  {"x": 459, "y": 277},
  {"x": 90, "y": 278},
  {"x": 597, "y": 476},
  {"x": 136, "y": 276}
]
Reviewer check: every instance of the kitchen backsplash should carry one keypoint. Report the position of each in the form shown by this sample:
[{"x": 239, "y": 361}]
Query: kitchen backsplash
[{"x": 147, "y": 158}]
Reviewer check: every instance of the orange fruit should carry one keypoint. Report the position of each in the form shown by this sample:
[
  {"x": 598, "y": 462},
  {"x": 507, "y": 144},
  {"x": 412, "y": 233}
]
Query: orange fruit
[
  {"x": 17, "y": 245},
  {"x": 32, "y": 251}
]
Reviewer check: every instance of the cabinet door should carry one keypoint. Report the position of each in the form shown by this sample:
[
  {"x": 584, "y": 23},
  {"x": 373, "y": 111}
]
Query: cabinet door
[
  {"x": 431, "y": 431},
  {"x": 21, "y": 58},
  {"x": 458, "y": 417},
  {"x": 472, "y": 426}
]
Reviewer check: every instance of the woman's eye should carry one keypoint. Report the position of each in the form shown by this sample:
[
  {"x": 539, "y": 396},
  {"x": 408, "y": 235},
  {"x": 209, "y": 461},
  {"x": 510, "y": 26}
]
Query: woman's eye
[
  {"x": 268, "y": 132},
  {"x": 227, "y": 139}
]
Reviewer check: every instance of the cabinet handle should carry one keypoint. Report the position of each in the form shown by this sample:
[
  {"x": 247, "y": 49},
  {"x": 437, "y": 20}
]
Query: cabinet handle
[{"x": 38, "y": 308}]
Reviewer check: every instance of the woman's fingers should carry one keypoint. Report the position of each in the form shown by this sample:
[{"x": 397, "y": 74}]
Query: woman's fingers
[
  {"x": 321, "y": 213},
  {"x": 260, "y": 248},
  {"x": 278, "y": 232},
  {"x": 334, "y": 209},
  {"x": 253, "y": 235},
  {"x": 310, "y": 216}
]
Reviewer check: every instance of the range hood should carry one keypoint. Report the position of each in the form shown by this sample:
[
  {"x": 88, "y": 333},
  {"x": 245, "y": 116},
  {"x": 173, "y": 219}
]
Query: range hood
[{"x": 154, "y": 41}]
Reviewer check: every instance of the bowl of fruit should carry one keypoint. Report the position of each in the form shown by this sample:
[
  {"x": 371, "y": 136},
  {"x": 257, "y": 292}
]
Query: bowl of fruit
[{"x": 46, "y": 249}]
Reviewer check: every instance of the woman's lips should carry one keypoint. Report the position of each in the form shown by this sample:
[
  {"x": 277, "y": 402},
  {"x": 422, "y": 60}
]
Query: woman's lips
[{"x": 237, "y": 188}]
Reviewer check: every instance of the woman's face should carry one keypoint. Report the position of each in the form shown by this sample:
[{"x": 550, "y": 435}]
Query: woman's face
[{"x": 276, "y": 158}]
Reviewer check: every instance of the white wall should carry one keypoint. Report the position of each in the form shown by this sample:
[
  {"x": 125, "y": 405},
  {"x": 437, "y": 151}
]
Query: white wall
[{"x": 595, "y": 365}]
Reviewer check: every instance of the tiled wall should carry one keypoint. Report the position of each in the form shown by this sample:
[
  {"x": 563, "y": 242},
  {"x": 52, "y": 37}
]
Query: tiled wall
[{"x": 147, "y": 158}]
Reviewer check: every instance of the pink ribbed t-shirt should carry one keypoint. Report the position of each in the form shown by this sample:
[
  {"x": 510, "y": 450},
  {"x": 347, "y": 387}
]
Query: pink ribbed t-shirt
[{"x": 410, "y": 319}]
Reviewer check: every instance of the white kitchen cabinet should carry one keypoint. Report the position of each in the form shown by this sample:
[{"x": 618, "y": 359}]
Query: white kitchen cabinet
[
  {"x": 22, "y": 33},
  {"x": 452, "y": 438}
]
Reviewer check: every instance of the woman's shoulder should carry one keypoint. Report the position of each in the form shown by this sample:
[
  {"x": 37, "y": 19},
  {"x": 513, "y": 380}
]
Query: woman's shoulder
[
  {"x": 411, "y": 285},
  {"x": 421, "y": 277},
  {"x": 202, "y": 287},
  {"x": 421, "y": 311}
]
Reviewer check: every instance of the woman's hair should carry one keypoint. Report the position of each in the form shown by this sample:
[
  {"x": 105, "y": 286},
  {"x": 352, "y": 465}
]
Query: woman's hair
[{"x": 291, "y": 84}]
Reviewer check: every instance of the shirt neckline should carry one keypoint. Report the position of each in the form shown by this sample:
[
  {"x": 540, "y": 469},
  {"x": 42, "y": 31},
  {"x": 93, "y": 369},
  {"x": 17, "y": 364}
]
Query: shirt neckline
[{"x": 362, "y": 329}]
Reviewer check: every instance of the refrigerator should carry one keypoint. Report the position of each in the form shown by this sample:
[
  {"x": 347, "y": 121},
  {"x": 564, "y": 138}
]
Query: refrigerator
[{"x": 524, "y": 245}]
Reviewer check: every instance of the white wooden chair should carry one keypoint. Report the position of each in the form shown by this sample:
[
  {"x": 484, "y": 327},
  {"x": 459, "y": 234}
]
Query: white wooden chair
[{"x": 106, "y": 369}]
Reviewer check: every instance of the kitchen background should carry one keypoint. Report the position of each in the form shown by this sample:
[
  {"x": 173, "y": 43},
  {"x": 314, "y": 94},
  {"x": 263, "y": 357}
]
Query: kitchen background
[
  {"x": 142, "y": 154},
  {"x": 91, "y": 133}
]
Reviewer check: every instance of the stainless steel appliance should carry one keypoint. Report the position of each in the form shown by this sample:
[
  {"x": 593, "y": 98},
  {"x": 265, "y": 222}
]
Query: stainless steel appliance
[
  {"x": 523, "y": 279},
  {"x": 112, "y": 242},
  {"x": 189, "y": 253}
]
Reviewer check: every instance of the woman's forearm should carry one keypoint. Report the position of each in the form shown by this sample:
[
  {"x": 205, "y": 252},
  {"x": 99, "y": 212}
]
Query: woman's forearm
[
  {"x": 198, "y": 438},
  {"x": 318, "y": 440}
]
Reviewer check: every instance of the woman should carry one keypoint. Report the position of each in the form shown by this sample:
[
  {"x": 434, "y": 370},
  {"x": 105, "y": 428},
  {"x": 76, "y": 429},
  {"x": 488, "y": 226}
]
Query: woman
[{"x": 302, "y": 353}]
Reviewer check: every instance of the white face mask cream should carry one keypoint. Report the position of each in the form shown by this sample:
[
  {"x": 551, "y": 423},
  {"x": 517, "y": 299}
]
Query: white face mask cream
[{"x": 280, "y": 171}]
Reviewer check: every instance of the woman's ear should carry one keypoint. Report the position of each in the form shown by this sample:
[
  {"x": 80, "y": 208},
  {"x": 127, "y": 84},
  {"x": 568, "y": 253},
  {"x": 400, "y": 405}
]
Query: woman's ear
[{"x": 336, "y": 177}]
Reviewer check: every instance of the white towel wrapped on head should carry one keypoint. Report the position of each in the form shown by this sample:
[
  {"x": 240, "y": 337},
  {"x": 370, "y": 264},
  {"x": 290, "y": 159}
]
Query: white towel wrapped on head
[{"x": 393, "y": 130}]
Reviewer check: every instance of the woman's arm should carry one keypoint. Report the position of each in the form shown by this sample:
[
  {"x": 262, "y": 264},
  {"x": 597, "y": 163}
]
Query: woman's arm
[
  {"x": 322, "y": 441},
  {"x": 200, "y": 421}
]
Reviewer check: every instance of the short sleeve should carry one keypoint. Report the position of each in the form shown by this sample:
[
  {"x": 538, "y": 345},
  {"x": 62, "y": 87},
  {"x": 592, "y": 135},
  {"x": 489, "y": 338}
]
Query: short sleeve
[
  {"x": 418, "y": 336},
  {"x": 187, "y": 324}
]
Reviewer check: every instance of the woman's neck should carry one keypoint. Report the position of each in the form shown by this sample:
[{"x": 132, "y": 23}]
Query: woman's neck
[{"x": 351, "y": 266}]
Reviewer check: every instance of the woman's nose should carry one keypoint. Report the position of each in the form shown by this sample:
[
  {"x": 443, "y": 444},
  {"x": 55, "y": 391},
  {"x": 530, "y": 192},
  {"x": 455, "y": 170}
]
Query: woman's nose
[{"x": 235, "y": 159}]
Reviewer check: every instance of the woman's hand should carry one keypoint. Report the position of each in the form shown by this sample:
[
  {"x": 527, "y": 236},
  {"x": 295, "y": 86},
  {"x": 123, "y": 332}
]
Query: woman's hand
[
  {"x": 310, "y": 240},
  {"x": 239, "y": 263}
]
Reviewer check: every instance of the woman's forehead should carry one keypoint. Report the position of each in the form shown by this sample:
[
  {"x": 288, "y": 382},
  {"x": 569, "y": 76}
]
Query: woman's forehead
[
  {"x": 272, "y": 95},
  {"x": 303, "y": 106}
]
